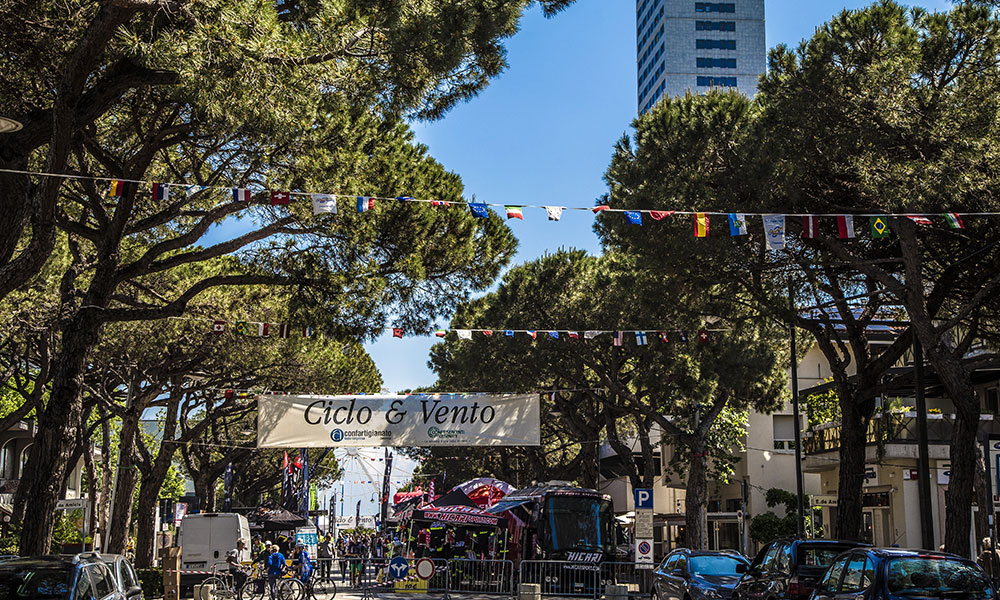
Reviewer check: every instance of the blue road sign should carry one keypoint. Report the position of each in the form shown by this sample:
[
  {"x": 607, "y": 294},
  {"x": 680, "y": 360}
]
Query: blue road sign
[{"x": 643, "y": 498}]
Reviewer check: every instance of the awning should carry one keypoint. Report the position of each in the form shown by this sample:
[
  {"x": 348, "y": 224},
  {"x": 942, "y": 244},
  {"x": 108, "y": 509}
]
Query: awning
[
  {"x": 505, "y": 505},
  {"x": 458, "y": 515}
]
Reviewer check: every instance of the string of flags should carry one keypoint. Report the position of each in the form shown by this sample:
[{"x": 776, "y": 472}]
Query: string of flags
[{"x": 774, "y": 225}]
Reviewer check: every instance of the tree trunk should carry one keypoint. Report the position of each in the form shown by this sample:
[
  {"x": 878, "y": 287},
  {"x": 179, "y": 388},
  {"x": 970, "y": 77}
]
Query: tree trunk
[
  {"x": 145, "y": 526},
  {"x": 696, "y": 496},
  {"x": 853, "y": 438},
  {"x": 106, "y": 473},
  {"x": 959, "y": 497},
  {"x": 124, "y": 490},
  {"x": 49, "y": 460}
]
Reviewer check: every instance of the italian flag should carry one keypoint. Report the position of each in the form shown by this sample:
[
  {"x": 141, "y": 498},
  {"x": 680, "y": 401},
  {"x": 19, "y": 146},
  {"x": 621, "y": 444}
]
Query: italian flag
[
  {"x": 514, "y": 212},
  {"x": 954, "y": 220}
]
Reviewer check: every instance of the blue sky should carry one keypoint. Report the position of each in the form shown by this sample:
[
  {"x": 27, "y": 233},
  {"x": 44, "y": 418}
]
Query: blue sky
[{"x": 543, "y": 132}]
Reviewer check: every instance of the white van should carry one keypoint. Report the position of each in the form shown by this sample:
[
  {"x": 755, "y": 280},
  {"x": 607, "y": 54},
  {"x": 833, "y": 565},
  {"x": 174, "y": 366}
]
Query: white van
[{"x": 205, "y": 538}]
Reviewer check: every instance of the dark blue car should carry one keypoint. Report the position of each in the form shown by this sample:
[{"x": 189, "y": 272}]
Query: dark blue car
[
  {"x": 893, "y": 574},
  {"x": 698, "y": 575}
]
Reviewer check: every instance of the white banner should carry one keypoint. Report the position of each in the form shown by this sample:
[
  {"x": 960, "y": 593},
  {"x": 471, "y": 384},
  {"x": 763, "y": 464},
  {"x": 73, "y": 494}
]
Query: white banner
[{"x": 414, "y": 420}]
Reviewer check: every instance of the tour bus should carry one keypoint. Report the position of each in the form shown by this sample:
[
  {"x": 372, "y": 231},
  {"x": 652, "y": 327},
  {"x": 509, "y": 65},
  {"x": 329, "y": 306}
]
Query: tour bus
[{"x": 558, "y": 522}]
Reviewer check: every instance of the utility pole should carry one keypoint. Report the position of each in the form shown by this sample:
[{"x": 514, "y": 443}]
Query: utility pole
[
  {"x": 923, "y": 453},
  {"x": 801, "y": 520}
]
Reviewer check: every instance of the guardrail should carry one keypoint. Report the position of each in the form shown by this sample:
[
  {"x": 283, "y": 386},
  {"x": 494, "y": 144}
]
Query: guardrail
[
  {"x": 467, "y": 575},
  {"x": 638, "y": 582},
  {"x": 562, "y": 578}
]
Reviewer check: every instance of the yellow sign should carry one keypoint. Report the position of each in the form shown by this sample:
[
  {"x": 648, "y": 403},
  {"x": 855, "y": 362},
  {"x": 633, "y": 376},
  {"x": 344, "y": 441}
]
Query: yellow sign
[{"x": 416, "y": 585}]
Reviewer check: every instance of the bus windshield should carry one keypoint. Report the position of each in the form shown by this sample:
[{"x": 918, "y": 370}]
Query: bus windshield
[{"x": 579, "y": 523}]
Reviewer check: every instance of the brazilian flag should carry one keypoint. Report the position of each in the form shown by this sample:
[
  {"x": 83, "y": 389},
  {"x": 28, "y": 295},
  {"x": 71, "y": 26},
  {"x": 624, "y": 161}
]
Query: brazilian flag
[{"x": 880, "y": 227}]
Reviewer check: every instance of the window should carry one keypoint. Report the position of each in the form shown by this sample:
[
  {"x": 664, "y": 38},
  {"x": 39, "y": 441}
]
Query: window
[
  {"x": 83, "y": 590},
  {"x": 783, "y": 559},
  {"x": 719, "y": 82},
  {"x": 715, "y": 44},
  {"x": 671, "y": 563},
  {"x": 768, "y": 562},
  {"x": 784, "y": 432},
  {"x": 682, "y": 563},
  {"x": 832, "y": 577},
  {"x": 720, "y": 7},
  {"x": 854, "y": 575},
  {"x": 991, "y": 401},
  {"x": 715, "y": 25},
  {"x": 716, "y": 63},
  {"x": 102, "y": 580}
]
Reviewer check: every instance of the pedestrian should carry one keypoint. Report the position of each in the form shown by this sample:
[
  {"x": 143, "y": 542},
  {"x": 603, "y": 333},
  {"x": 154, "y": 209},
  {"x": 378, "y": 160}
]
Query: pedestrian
[
  {"x": 325, "y": 556},
  {"x": 235, "y": 559},
  {"x": 342, "y": 556},
  {"x": 989, "y": 559},
  {"x": 275, "y": 568},
  {"x": 423, "y": 543}
]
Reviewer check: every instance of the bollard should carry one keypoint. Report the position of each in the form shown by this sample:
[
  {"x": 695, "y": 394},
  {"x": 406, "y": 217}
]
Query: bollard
[
  {"x": 613, "y": 591},
  {"x": 530, "y": 591}
]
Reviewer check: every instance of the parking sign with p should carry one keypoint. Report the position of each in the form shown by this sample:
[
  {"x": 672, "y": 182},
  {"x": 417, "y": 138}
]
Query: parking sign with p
[{"x": 643, "y": 498}]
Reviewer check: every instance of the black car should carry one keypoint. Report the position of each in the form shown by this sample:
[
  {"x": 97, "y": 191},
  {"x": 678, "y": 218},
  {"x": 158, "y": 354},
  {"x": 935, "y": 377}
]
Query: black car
[
  {"x": 79, "y": 577},
  {"x": 890, "y": 573},
  {"x": 698, "y": 575},
  {"x": 125, "y": 575},
  {"x": 789, "y": 569}
]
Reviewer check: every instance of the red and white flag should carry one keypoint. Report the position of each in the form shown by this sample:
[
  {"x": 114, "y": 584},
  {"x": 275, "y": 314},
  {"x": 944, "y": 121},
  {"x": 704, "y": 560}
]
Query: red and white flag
[
  {"x": 845, "y": 226},
  {"x": 279, "y": 198},
  {"x": 219, "y": 327},
  {"x": 810, "y": 226}
]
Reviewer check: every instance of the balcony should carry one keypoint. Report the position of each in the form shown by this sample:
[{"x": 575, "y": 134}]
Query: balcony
[{"x": 891, "y": 428}]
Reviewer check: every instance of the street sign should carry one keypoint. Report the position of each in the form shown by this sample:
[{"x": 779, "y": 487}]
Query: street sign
[
  {"x": 644, "y": 554},
  {"x": 643, "y": 532},
  {"x": 399, "y": 567},
  {"x": 74, "y": 504},
  {"x": 424, "y": 568},
  {"x": 643, "y": 498}
]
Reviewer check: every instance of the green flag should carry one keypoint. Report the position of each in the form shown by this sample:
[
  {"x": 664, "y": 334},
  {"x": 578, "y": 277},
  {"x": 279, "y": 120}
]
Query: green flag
[
  {"x": 880, "y": 228},
  {"x": 242, "y": 328}
]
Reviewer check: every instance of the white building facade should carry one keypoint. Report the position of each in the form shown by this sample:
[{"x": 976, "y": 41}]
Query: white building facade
[{"x": 683, "y": 45}]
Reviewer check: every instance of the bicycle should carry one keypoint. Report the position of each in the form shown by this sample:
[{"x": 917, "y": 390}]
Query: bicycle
[
  {"x": 223, "y": 586},
  {"x": 295, "y": 589}
]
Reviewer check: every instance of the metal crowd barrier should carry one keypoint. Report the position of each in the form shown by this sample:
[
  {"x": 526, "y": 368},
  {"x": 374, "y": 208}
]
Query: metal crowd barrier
[
  {"x": 639, "y": 582},
  {"x": 562, "y": 578},
  {"x": 481, "y": 576}
]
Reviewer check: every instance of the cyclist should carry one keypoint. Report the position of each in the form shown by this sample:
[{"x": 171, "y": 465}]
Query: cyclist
[
  {"x": 235, "y": 558},
  {"x": 275, "y": 568},
  {"x": 303, "y": 563}
]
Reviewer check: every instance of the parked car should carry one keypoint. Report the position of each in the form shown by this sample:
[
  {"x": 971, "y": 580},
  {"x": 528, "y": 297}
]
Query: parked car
[
  {"x": 884, "y": 573},
  {"x": 67, "y": 577},
  {"x": 125, "y": 576},
  {"x": 789, "y": 569},
  {"x": 698, "y": 575}
]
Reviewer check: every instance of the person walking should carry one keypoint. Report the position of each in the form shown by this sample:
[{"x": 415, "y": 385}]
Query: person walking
[
  {"x": 325, "y": 556},
  {"x": 342, "y": 556},
  {"x": 275, "y": 568},
  {"x": 989, "y": 559}
]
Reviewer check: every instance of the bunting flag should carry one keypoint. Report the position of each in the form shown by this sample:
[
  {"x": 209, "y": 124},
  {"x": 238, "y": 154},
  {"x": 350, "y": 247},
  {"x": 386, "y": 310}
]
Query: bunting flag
[
  {"x": 737, "y": 224},
  {"x": 774, "y": 231},
  {"x": 117, "y": 188},
  {"x": 919, "y": 219},
  {"x": 640, "y": 338},
  {"x": 589, "y": 335},
  {"x": 479, "y": 209},
  {"x": 242, "y": 328},
  {"x": 440, "y": 333},
  {"x": 845, "y": 226},
  {"x": 464, "y": 334},
  {"x": 487, "y": 332},
  {"x": 634, "y": 217},
  {"x": 880, "y": 228},
  {"x": 554, "y": 334},
  {"x": 514, "y": 212},
  {"x": 600, "y": 208},
  {"x": 263, "y": 329},
  {"x": 219, "y": 327},
  {"x": 701, "y": 225},
  {"x": 241, "y": 195},
  {"x": 161, "y": 191},
  {"x": 439, "y": 203},
  {"x": 617, "y": 338},
  {"x": 573, "y": 335},
  {"x": 508, "y": 333},
  {"x": 307, "y": 331},
  {"x": 284, "y": 330},
  {"x": 682, "y": 337},
  {"x": 810, "y": 226},
  {"x": 405, "y": 198},
  {"x": 663, "y": 337},
  {"x": 279, "y": 198},
  {"x": 954, "y": 220},
  {"x": 365, "y": 203},
  {"x": 191, "y": 190},
  {"x": 324, "y": 203},
  {"x": 554, "y": 212},
  {"x": 532, "y": 333},
  {"x": 659, "y": 215},
  {"x": 702, "y": 335},
  {"x": 397, "y": 332}
]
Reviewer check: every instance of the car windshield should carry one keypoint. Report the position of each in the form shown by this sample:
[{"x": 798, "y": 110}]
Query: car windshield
[
  {"x": 936, "y": 578},
  {"x": 819, "y": 556},
  {"x": 27, "y": 583},
  {"x": 717, "y": 566}
]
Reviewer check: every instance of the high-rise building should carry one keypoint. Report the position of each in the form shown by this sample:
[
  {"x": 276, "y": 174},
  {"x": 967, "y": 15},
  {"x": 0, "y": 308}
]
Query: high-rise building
[{"x": 686, "y": 45}]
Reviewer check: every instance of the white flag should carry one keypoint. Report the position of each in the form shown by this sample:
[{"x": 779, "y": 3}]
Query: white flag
[
  {"x": 191, "y": 190},
  {"x": 589, "y": 335},
  {"x": 324, "y": 203},
  {"x": 464, "y": 334},
  {"x": 554, "y": 212},
  {"x": 774, "y": 231}
]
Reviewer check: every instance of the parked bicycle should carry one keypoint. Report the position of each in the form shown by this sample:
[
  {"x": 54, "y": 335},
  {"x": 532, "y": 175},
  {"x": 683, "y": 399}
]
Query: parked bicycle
[{"x": 295, "y": 589}]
